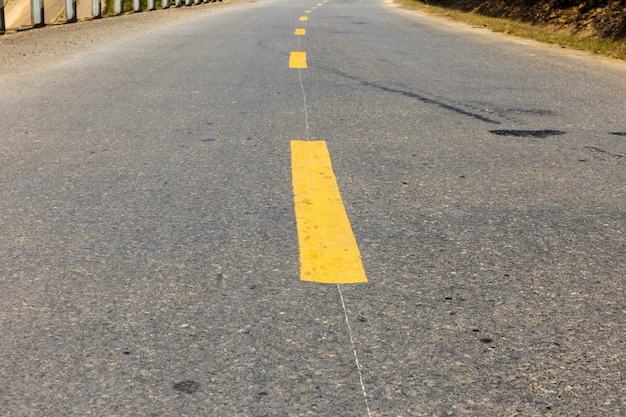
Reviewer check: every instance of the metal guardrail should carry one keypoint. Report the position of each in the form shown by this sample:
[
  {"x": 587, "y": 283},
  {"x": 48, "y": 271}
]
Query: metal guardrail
[{"x": 38, "y": 19}]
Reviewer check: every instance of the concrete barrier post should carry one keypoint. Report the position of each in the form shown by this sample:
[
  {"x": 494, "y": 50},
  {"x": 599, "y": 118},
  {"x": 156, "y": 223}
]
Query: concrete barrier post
[
  {"x": 165, "y": 4},
  {"x": 179, "y": 3},
  {"x": 118, "y": 7},
  {"x": 2, "y": 21},
  {"x": 36, "y": 12},
  {"x": 96, "y": 8},
  {"x": 188, "y": 3},
  {"x": 151, "y": 5},
  {"x": 137, "y": 5},
  {"x": 70, "y": 10}
]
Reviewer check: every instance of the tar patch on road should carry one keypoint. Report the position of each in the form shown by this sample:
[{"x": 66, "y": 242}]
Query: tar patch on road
[
  {"x": 527, "y": 133},
  {"x": 618, "y": 133},
  {"x": 187, "y": 387}
]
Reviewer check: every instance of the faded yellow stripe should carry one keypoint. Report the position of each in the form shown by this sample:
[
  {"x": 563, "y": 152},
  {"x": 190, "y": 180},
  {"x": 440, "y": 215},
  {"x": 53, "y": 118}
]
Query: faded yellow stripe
[
  {"x": 304, "y": 18},
  {"x": 307, "y": 11},
  {"x": 328, "y": 248},
  {"x": 297, "y": 60},
  {"x": 300, "y": 31}
]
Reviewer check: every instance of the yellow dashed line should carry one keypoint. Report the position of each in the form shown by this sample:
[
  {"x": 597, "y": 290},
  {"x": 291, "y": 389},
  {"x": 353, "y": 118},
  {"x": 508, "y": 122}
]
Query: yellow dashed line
[
  {"x": 297, "y": 60},
  {"x": 328, "y": 249}
]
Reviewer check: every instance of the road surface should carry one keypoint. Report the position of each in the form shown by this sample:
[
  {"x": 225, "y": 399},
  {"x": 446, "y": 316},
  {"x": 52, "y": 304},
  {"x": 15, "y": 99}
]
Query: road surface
[{"x": 151, "y": 261}]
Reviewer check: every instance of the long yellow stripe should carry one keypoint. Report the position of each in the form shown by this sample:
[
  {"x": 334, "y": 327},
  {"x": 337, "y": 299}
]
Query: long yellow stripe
[{"x": 328, "y": 249}]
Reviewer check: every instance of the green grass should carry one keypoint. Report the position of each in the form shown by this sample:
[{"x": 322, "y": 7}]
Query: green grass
[{"x": 525, "y": 30}]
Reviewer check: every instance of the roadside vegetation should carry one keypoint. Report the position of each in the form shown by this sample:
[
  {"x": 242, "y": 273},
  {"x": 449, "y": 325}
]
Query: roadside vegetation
[{"x": 546, "y": 34}]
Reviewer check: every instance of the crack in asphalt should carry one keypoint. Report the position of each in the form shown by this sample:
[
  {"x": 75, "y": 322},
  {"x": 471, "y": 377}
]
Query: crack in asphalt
[
  {"x": 431, "y": 101},
  {"x": 410, "y": 94},
  {"x": 600, "y": 150}
]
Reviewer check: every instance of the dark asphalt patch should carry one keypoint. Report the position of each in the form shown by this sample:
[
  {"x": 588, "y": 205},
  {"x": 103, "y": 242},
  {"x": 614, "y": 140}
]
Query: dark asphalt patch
[
  {"x": 528, "y": 133},
  {"x": 618, "y": 133},
  {"x": 187, "y": 387}
]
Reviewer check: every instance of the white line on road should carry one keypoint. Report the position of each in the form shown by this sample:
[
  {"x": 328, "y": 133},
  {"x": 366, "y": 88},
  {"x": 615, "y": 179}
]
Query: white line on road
[{"x": 356, "y": 357}]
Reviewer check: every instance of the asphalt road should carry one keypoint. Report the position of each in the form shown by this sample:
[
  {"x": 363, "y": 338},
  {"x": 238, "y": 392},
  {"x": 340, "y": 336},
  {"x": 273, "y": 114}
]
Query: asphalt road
[{"x": 150, "y": 258}]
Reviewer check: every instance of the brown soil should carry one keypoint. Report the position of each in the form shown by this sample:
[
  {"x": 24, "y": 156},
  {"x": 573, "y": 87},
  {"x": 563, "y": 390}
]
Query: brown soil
[
  {"x": 17, "y": 12},
  {"x": 605, "y": 19}
]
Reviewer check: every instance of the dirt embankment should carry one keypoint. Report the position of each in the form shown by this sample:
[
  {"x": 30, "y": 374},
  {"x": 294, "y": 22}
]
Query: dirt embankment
[{"x": 603, "y": 19}]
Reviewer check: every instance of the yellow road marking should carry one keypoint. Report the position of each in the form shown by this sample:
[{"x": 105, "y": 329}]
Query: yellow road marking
[
  {"x": 300, "y": 31},
  {"x": 328, "y": 249},
  {"x": 304, "y": 18},
  {"x": 307, "y": 11},
  {"x": 319, "y": 4},
  {"x": 297, "y": 60}
]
